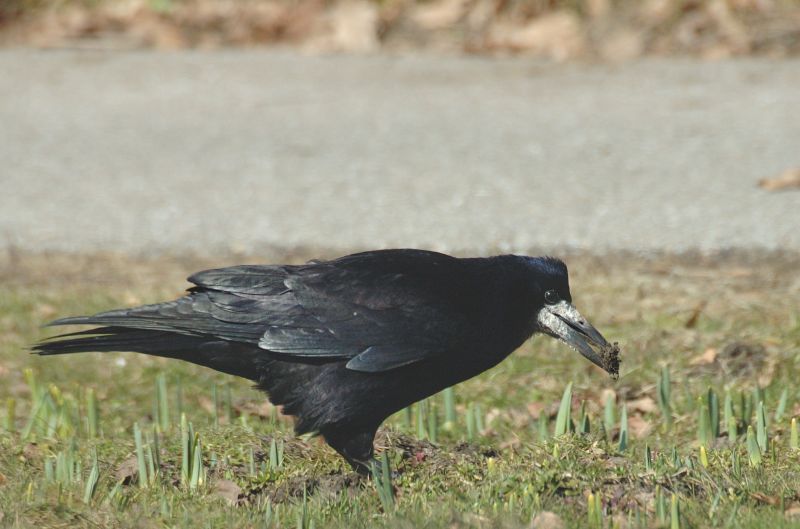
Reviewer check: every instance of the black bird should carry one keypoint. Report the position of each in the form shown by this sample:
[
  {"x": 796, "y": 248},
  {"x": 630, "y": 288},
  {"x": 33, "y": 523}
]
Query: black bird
[{"x": 343, "y": 344}]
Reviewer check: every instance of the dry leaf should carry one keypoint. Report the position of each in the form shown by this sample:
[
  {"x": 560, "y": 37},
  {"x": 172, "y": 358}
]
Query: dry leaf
[
  {"x": 605, "y": 394},
  {"x": 206, "y": 403},
  {"x": 2, "y": 480},
  {"x": 558, "y": 35},
  {"x": 793, "y": 512},
  {"x": 638, "y": 427},
  {"x": 439, "y": 15},
  {"x": 789, "y": 179},
  {"x": 228, "y": 490},
  {"x": 763, "y": 498},
  {"x": 767, "y": 372},
  {"x": 547, "y": 520},
  {"x": 492, "y": 414},
  {"x": 623, "y": 45},
  {"x": 642, "y": 405},
  {"x": 708, "y": 357},
  {"x": 535, "y": 409},
  {"x": 347, "y": 27},
  {"x": 128, "y": 471}
]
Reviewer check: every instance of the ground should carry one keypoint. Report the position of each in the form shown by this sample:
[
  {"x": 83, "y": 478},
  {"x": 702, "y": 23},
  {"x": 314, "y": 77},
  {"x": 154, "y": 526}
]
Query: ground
[{"x": 492, "y": 458}]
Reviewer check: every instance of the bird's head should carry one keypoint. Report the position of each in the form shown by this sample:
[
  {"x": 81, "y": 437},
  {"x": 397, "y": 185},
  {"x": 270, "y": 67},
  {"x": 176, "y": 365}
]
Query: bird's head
[{"x": 558, "y": 317}]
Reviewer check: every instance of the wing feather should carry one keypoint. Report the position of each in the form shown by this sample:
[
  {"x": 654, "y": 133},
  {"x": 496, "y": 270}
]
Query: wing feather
[{"x": 378, "y": 310}]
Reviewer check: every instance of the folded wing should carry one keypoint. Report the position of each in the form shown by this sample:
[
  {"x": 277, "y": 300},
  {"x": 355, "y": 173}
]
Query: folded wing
[{"x": 378, "y": 310}]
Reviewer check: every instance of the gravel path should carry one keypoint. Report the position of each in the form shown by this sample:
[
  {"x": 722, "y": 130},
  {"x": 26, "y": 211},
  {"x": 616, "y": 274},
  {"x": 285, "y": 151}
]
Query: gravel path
[{"x": 248, "y": 150}]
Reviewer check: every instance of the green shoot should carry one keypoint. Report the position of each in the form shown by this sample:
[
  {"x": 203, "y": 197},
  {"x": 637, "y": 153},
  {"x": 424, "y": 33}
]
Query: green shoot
[
  {"x": 609, "y": 417},
  {"x": 782, "y": 402},
  {"x": 144, "y": 481},
  {"x": 713, "y": 413},
  {"x": 563, "y": 419},
  {"x": 162, "y": 403},
  {"x": 753, "y": 449},
  {"x": 92, "y": 414},
  {"x": 731, "y": 424},
  {"x": 664, "y": 393},
  {"x": 383, "y": 483},
  {"x": 761, "y": 427},
  {"x": 91, "y": 481},
  {"x": 674, "y": 513},
  {"x": 623, "y": 429},
  {"x": 449, "y": 398},
  {"x": 11, "y": 409}
]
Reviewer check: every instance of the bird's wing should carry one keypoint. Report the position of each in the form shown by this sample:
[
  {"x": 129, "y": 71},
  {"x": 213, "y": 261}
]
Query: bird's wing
[
  {"x": 209, "y": 313},
  {"x": 379, "y": 310}
]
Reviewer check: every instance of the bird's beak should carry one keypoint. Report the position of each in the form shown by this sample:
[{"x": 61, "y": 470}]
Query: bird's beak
[{"x": 564, "y": 322}]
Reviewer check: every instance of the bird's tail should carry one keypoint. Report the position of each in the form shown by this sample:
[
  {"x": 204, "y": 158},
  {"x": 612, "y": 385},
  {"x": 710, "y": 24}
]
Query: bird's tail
[{"x": 228, "y": 357}]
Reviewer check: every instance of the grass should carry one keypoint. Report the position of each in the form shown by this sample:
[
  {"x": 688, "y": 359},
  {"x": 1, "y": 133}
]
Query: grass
[{"x": 700, "y": 429}]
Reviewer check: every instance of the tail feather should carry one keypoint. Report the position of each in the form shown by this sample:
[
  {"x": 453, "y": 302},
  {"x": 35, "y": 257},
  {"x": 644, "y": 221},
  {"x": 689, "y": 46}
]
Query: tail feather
[{"x": 228, "y": 357}]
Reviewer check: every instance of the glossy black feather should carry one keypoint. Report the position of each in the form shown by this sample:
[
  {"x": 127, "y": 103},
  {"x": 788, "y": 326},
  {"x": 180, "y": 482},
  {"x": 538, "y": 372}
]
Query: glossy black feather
[{"x": 340, "y": 344}]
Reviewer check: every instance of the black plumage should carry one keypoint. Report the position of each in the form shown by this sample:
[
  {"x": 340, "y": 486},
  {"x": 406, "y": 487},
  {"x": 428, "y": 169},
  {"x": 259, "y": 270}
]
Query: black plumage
[{"x": 343, "y": 344}]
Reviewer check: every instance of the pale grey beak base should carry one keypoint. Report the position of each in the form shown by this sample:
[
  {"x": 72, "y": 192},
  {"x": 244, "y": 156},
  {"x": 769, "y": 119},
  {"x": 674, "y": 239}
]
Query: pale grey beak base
[{"x": 564, "y": 322}]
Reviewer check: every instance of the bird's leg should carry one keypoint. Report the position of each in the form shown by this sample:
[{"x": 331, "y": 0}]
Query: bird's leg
[{"x": 355, "y": 445}]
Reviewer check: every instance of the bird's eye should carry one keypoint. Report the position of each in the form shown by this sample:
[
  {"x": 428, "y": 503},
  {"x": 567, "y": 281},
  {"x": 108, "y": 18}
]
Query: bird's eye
[{"x": 551, "y": 297}]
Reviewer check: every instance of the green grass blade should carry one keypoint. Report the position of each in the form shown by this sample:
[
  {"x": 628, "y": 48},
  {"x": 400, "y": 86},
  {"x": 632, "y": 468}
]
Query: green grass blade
[
  {"x": 449, "y": 398},
  {"x": 215, "y": 398},
  {"x": 544, "y": 426},
  {"x": 753, "y": 450},
  {"x": 563, "y": 419},
  {"x": 609, "y": 415},
  {"x": 661, "y": 506},
  {"x": 186, "y": 451},
  {"x": 713, "y": 413},
  {"x": 664, "y": 396},
  {"x": 273, "y": 454},
  {"x": 92, "y": 414},
  {"x": 197, "y": 463},
  {"x": 421, "y": 433},
  {"x": 433, "y": 423},
  {"x": 142, "y": 465},
  {"x": 780, "y": 410},
  {"x": 731, "y": 424},
  {"x": 228, "y": 404},
  {"x": 162, "y": 402},
  {"x": 761, "y": 427},
  {"x": 675, "y": 513},
  {"x": 11, "y": 414},
  {"x": 623, "y": 429},
  {"x": 703, "y": 426},
  {"x": 91, "y": 482}
]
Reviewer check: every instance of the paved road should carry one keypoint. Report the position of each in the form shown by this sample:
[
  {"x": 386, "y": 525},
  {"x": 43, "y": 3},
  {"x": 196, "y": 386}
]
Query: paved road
[{"x": 222, "y": 150}]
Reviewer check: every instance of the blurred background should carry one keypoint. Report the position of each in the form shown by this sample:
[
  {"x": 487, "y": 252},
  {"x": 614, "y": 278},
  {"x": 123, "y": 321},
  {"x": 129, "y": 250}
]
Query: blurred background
[{"x": 472, "y": 126}]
